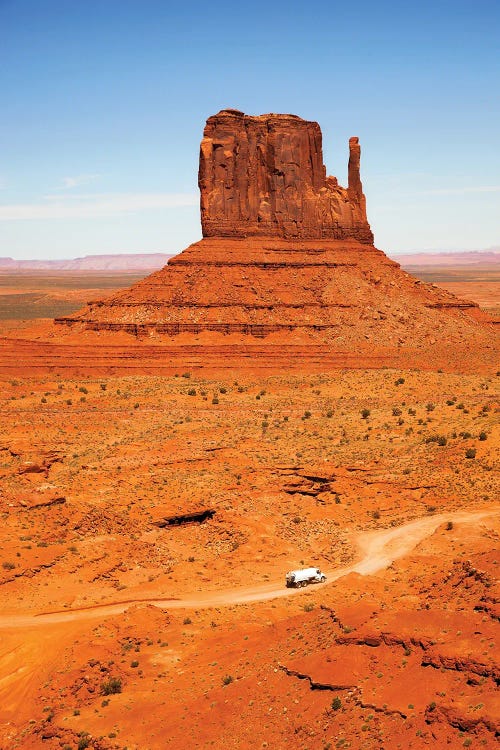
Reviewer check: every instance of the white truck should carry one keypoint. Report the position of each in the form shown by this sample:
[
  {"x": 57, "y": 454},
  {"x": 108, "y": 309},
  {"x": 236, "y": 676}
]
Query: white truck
[{"x": 298, "y": 578}]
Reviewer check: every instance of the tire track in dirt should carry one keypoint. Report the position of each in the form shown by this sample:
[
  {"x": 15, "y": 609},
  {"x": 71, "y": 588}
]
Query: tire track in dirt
[{"x": 377, "y": 550}]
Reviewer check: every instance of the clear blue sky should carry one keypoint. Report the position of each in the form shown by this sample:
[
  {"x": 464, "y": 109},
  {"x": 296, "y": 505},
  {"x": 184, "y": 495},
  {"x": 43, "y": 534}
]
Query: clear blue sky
[{"x": 104, "y": 103}]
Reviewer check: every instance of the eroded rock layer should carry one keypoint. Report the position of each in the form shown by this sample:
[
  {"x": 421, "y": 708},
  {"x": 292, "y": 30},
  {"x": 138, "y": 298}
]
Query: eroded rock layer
[
  {"x": 337, "y": 289},
  {"x": 265, "y": 175}
]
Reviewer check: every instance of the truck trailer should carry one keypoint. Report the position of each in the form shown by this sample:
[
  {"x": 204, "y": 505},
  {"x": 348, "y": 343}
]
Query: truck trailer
[{"x": 298, "y": 578}]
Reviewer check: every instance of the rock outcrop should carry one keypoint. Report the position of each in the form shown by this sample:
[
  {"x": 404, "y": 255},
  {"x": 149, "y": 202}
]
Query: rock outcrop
[
  {"x": 285, "y": 250},
  {"x": 265, "y": 176}
]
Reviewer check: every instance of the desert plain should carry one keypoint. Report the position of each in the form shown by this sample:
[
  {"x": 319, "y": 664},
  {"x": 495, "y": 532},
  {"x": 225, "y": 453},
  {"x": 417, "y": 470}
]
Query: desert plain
[{"x": 148, "y": 521}]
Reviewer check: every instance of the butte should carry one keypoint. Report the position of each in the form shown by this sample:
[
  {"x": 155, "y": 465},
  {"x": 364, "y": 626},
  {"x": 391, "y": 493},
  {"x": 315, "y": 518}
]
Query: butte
[{"x": 287, "y": 258}]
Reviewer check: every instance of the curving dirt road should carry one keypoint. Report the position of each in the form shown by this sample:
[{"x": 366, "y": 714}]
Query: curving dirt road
[{"x": 378, "y": 549}]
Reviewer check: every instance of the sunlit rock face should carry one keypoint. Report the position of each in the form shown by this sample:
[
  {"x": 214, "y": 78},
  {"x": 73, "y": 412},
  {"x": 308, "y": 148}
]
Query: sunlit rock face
[{"x": 265, "y": 176}]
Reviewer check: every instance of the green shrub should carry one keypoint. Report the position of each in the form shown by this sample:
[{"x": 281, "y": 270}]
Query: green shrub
[
  {"x": 111, "y": 686},
  {"x": 336, "y": 703}
]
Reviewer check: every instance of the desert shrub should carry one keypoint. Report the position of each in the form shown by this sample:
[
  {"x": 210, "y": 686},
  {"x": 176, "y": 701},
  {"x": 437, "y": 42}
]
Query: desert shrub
[
  {"x": 411, "y": 412},
  {"x": 83, "y": 743},
  {"x": 111, "y": 686},
  {"x": 465, "y": 435},
  {"x": 470, "y": 453},
  {"x": 265, "y": 424},
  {"x": 103, "y": 386},
  {"x": 307, "y": 415},
  {"x": 222, "y": 390},
  {"x": 215, "y": 400},
  {"x": 8, "y": 565},
  {"x": 227, "y": 679},
  {"x": 396, "y": 412},
  {"x": 187, "y": 621},
  {"x": 482, "y": 436},
  {"x": 365, "y": 413},
  {"x": 82, "y": 389},
  {"x": 192, "y": 392},
  {"x": 308, "y": 607},
  {"x": 329, "y": 413},
  {"x": 375, "y": 514},
  {"x": 441, "y": 440},
  {"x": 449, "y": 526},
  {"x": 43, "y": 400},
  {"x": 399, "y": 381},
  {"x": 336, "y": 703},
  {"x": 134, "y": 664},
  {"x": 186, "y": 375},
  {"x": 430, "y": 406}
]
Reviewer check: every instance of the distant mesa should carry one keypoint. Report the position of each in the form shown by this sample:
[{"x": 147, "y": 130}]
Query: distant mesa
[
  {"x": 286, "y": 250},
  {"x": 124, "y": 263}
]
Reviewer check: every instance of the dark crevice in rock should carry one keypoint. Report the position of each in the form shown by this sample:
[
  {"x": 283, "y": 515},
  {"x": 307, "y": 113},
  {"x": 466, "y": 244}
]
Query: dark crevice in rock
[
  {"x": 313, "y": 684},
  {"x": 186, "y": 518}
]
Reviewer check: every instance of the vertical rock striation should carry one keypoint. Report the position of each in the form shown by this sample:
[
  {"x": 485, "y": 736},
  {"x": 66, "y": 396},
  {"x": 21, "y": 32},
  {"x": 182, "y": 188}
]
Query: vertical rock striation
[{"x": 265, "y": 176}]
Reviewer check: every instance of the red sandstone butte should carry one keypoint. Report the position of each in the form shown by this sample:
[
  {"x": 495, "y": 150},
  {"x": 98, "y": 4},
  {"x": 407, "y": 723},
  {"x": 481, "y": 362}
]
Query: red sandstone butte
[
  {"x": 285, "y": 251},
  {"x": 265, "y": 176}
]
